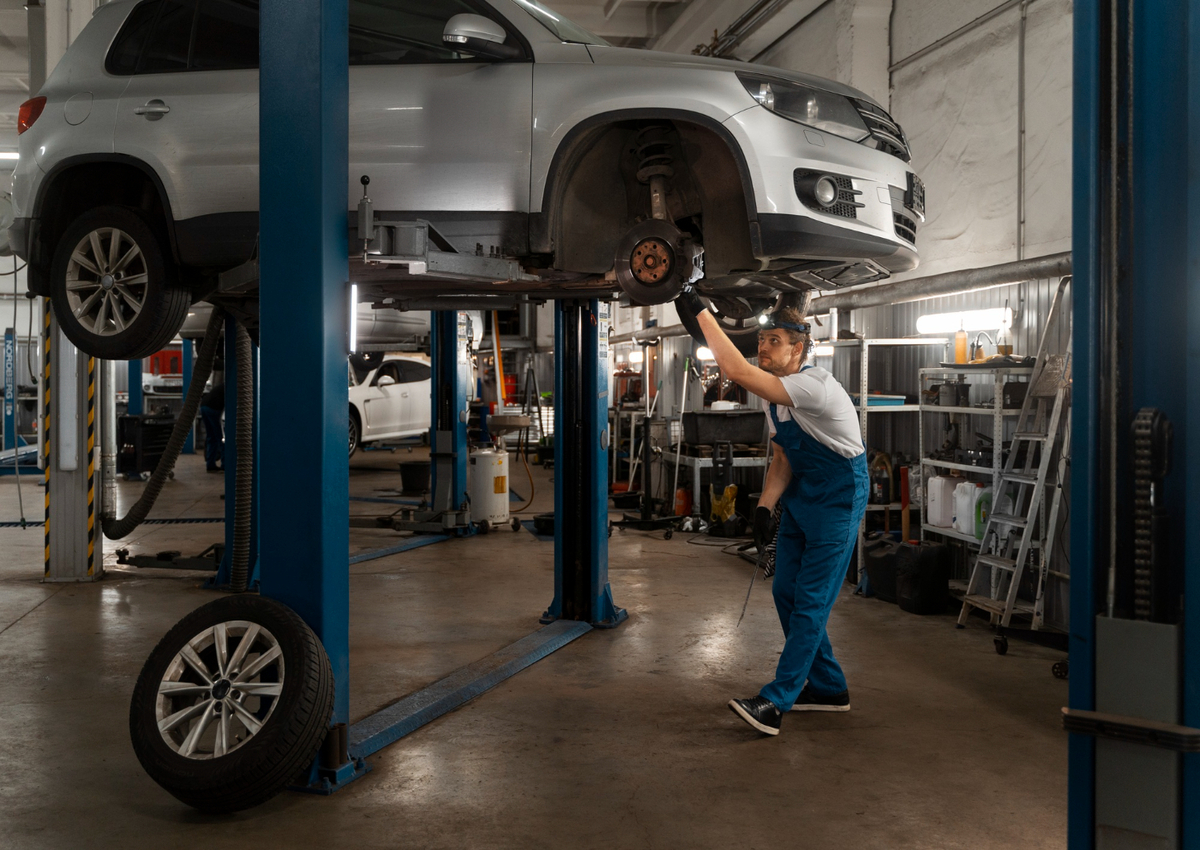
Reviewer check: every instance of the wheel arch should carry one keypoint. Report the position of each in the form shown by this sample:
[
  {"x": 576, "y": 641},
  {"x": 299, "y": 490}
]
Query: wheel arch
[
  {"x": 79, "y": 183},
  {"x": 702, "y": 134}
]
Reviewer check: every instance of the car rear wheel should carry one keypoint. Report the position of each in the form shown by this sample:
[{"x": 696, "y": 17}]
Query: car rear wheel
[
  {"x": 355, "y": 433},
  {"x": 115, "y": 291}
]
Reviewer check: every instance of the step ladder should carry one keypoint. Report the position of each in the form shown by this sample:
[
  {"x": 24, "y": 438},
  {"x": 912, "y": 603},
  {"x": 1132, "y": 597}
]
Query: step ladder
[{"x": 1011, "y": 535}]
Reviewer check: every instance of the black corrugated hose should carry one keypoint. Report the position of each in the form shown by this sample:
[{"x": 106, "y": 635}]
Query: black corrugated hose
[
  {"x": 115, "y": 529},
  {"x": 239, "y": 558}
]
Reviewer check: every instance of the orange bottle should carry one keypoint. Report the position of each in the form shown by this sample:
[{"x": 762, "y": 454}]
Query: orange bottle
[{"x": 960, "y": 346}]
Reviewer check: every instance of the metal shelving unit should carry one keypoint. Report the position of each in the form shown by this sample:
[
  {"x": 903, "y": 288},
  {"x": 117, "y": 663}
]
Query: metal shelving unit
[
  {"x": 996, "y": 411},
  {"x": 867, "y": 410}
]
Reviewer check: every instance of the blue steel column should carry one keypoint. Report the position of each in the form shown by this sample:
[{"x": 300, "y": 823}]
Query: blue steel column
[
  {"x": 189, "y": 445},
  {"x": 1086, "y": 477},
  {"x": 304, "y": 132},
  {"x": 448, "y": 430},
  {"x": 1190, "y": 458},
  {"x": 581, "y": 380},
  {"x": 136, "y": 404}
]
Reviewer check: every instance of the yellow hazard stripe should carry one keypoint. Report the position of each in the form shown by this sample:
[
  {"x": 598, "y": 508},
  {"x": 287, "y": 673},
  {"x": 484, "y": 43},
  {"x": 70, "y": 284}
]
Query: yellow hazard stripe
[{"x": 91, "y": 446}]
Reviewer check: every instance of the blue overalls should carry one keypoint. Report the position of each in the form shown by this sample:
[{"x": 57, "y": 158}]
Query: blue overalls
[{"x": 822, "y": 508}]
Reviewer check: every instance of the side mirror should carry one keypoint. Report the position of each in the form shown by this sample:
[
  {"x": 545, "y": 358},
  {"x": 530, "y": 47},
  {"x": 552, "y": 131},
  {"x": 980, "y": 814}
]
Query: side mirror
[
  {"x": 479, "y": 35},
  {"x": 385, "y": 381}
]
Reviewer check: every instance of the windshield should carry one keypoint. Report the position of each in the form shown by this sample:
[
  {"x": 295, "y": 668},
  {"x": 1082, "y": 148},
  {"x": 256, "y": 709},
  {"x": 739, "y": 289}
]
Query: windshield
[{"x": 560, "y": 26}]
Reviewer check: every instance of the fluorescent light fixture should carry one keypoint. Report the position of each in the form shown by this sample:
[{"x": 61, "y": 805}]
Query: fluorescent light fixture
[
  {"x": 10, "y": 155},
  {"x": 636, "y": 356},
  {"x": 823, "y": 351},
  {"x": 353, "y": 317},
  {"x": 703, "y": 353},
  {"x": 967, "y": 320}
]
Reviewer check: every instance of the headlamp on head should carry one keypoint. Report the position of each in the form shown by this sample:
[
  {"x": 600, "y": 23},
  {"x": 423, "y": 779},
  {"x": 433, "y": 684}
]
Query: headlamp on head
[{"x": 768, "y": 322}]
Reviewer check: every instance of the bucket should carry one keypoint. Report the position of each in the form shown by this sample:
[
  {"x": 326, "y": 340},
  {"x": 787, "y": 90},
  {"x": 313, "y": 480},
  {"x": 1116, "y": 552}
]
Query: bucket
[{"x": 414, "y": 477}]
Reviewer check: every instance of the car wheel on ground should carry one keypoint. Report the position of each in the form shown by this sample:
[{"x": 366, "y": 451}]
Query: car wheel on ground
[
  {"x": 233, "y": 704},
  {"x": 114, "y": 289},
  {"x": 355, "y": 433}
]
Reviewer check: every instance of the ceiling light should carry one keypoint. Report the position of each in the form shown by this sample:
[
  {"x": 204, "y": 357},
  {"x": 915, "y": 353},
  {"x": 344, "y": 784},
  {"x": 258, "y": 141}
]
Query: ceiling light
[
  {"x": 636, "y": 356},
  {"x": 823, "y": 351},
  {"x": 967, "y": 320},
  {"x": 10, "y": 155},
  {"x": 703, "y": 353}
]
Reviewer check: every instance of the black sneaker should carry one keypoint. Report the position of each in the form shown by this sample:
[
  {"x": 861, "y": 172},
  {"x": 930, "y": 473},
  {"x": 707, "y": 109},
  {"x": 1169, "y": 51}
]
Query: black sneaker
[
  {"x": 759, "y": 712},
  {"x": 808, "y": 701}
]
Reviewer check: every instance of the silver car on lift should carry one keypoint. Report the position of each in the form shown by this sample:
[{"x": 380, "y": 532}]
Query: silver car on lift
[{"x": 513, "y": 132}]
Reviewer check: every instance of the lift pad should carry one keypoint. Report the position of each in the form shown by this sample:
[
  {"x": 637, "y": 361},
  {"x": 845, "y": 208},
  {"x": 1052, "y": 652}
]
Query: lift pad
[{"x": 373, "y": 733}]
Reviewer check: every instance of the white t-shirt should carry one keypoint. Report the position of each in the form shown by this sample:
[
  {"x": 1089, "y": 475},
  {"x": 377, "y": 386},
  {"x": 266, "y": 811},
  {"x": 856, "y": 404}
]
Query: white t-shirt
[{"x": 822, "y": 409}]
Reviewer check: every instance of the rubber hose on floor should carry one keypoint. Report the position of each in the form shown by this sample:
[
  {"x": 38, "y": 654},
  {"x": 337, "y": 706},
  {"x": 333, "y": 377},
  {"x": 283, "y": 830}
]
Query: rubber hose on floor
[
  {"x": 239, "y": 558},
  {"x": 115, "y": 529}
]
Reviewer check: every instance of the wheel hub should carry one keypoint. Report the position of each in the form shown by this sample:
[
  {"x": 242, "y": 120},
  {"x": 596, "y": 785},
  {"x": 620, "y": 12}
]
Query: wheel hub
[
  {"x": 221, "y": 689},
  {"x": 107, "y": 282},
  {"x": 651, "y": 261}
]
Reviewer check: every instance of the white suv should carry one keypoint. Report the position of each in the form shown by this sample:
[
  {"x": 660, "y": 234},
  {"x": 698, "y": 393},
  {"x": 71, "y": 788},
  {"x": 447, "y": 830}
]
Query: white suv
[{"x": 513, "y": 132}]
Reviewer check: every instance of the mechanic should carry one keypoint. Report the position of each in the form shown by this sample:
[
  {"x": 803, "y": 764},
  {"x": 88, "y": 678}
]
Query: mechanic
[
  {"x": 212, "y": 404},
  {"x": 819, "y": 473}
]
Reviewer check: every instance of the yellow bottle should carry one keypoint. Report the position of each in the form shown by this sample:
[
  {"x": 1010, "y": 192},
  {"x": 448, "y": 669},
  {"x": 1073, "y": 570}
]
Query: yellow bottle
[{"x": 960, "y": 346}]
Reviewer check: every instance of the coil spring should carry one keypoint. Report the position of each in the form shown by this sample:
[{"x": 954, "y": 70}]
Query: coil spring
[{"x": 654, "y": 150}]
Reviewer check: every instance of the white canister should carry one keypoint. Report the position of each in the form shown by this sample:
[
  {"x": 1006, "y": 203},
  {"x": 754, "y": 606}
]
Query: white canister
[{"x": 487, "y": 485}]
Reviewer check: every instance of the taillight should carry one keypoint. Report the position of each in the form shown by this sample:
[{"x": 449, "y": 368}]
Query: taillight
[{"x": 29, "y": 112}]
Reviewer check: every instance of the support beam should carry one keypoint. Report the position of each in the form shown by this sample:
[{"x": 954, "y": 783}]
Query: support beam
[
  {"x": 74, "y": 544},
  {"x": 189, "y": 445},
  {"x": 304, "y": 303},
  {"x": 581, "y": 380},
  {"x": 449, "y": 338}
]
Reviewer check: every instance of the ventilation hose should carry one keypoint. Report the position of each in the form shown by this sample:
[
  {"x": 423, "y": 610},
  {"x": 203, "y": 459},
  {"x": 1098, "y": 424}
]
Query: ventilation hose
[
  {"x": 239, "y": 558},
  {"x": 115, "y": 529}
]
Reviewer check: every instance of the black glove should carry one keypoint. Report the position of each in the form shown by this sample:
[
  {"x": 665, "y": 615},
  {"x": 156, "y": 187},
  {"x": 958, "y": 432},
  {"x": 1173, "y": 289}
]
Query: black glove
[
  {"x": 764, "y": 527},
  {"x": 688, "y": 302}
]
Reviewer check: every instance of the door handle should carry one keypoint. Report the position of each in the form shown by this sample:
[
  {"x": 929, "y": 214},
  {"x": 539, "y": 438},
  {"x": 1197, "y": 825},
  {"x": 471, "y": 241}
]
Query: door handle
[{"x": 154, "y": 110}]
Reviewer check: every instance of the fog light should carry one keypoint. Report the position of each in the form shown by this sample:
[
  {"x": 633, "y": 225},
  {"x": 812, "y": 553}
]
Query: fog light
[{"x": 825, "y": 191}]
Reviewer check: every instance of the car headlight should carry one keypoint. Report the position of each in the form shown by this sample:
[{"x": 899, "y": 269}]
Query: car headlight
[{"x": 822, "y": 110}]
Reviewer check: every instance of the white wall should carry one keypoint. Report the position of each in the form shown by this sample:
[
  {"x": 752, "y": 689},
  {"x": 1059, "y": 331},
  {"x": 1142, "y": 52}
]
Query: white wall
[{"x": 960, "y": 106}]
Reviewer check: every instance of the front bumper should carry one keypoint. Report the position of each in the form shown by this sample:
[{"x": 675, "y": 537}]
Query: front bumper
[
  {"x": 777, "y": 236},
  {"x": 778, "y": 151}
]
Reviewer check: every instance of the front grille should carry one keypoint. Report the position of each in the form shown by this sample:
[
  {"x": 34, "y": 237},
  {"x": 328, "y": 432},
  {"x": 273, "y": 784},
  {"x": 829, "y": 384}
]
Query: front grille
[
  {"x": 906, "y": 228},
  {"x": 885, "y": 132},
  {"x": 846, "y": 205}
]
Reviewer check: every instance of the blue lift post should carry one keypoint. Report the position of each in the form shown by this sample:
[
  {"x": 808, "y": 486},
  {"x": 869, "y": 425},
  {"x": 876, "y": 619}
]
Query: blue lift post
[
  {"x": 136, "y": 404},
  {"x": 1136, "y": 262},
  {"x": 189, "y": 445},
  {"x": 582, "y": 364},
  {"x": 304, "y": 330},
  {"x": 448, "y": 339}
]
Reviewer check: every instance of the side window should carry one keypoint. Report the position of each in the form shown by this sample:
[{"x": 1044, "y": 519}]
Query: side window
[
  {"x": 391, "y": 32},
  {"x": 127, "y": 47},
  {"x": 167, "y": 47},
  {"x": 413, "y": 372},
  {"x": 226, "y": 35}
]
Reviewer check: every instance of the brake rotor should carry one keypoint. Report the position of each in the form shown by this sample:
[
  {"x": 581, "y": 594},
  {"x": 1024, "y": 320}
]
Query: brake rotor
[{"x": 653, "y": 262}]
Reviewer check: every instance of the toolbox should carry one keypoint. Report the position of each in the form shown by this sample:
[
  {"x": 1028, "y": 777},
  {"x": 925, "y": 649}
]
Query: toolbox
[
  {"x": 141, "y": 441},
  {"x": 725, "y": 426}
]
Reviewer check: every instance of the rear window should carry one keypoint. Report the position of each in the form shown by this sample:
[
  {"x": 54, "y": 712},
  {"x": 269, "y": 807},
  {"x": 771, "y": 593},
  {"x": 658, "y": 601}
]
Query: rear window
[{"x": 165, "y": 36}]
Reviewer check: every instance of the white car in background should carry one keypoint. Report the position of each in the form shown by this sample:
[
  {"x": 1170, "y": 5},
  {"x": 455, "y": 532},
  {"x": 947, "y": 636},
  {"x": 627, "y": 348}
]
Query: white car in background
[{"x": 390, "y": 400}]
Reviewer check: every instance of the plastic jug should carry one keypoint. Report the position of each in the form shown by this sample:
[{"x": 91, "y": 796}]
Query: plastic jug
[
  {"x": 966, "y": 495},
  {"x": 939, "y": 495},
  {"x": 983, "y": 507}
]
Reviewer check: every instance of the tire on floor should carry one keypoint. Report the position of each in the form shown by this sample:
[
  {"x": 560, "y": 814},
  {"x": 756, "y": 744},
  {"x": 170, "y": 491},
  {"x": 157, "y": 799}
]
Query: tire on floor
[{"x": 232, "y": 705}]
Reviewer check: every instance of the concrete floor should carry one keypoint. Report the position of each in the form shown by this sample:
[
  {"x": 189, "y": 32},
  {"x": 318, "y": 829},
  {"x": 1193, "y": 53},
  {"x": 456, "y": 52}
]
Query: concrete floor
[{"x": 619, "y": 740}]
